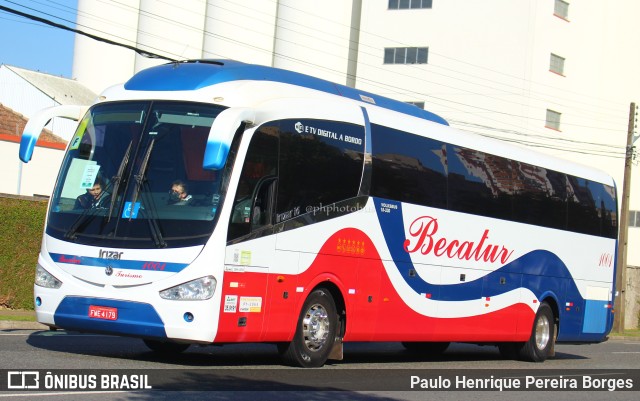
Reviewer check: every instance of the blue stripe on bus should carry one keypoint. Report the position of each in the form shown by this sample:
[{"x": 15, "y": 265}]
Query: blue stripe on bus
[
  {"x": 134, "y": 318},
  {"x": 539, "y": 271},
  {"x": 117, "y": 264},
  {"x": 536, "y": 263},
  {"x": 595, "y": 316},
  {"x": 198, "y": 75}
]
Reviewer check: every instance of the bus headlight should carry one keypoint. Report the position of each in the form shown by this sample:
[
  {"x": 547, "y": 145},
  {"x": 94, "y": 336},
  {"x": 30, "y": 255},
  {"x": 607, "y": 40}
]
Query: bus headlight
[
  {"x": 46, "y": 279},
  {"x": 198, "y": 289}
]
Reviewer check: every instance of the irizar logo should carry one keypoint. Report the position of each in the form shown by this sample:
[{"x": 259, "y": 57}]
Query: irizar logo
[{"x": 104, "y": 254}]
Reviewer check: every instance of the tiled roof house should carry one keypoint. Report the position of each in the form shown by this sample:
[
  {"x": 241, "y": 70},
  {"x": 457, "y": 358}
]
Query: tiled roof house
[{"x": 12, "y": 124}]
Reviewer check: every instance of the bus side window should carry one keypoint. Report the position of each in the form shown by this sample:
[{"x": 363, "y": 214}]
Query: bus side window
[
  {"x": 253, "y": 203},
  {"x": 408, "y": 167},
  {"x": 321, "y": 163}
]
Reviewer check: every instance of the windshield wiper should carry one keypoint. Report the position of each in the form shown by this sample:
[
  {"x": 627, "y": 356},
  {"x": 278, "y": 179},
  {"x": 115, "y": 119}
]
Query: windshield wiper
[
  {"x": 117, "y": 179},
  {"x": 140, "y": 177},
  {"x": 85, "y": 217},
  {"x": 152, "y": 218}
]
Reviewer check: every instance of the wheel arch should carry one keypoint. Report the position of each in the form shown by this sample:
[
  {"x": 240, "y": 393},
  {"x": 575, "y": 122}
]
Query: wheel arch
[
  {"x": 338, "y": 298},
  {"x": 550, "y": 299}
]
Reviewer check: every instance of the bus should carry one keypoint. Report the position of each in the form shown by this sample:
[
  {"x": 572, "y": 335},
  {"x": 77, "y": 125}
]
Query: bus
[{"x": 226, "y": 202}]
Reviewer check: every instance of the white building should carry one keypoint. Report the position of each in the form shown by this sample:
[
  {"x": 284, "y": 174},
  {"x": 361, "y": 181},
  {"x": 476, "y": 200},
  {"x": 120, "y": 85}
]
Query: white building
[
  {"x": 23, "y": 93},
  {"x": 556, "y": 75}
]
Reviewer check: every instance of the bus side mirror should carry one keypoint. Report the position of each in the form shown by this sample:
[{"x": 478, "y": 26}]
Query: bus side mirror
[
  {"x": 221, "y": 134},
  {"x": 36, "y": 124}
]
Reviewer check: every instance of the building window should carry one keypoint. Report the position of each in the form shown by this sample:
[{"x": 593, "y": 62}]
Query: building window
[
  {"x": 634, "y": 218},
  {"x": 557, "y": 64},
  {"x": 553, "y": 120},
  {"x": 407, "y": 4},
  {"x": 561, "y": 9},
  {"x": 406, "y": 55}
]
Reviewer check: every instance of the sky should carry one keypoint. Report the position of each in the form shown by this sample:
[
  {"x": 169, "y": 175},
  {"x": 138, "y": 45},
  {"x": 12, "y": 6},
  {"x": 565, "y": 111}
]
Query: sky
[{"x": 33, "y": 45}]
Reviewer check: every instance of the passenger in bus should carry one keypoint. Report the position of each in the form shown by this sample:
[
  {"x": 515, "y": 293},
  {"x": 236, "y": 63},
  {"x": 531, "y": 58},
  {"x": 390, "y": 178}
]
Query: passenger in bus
[
  {"x": 179, "y": 194},
  {"x": 95, "y": 198}
]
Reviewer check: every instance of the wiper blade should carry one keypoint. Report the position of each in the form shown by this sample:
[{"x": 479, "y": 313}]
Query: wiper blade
[
  {"x": 140, "y": 177},
  {"x": 117, "y": 179},
  {"x": 85, "y": 217},
  {"x": 152, "y": 218}
]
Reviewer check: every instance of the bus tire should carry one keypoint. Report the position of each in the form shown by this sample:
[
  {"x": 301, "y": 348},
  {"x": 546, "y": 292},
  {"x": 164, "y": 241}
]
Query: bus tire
[
  {"x": 540, "y": 344},
  {"x": 165, "y": 347},
  {"x": 426, "y": 348},
  {"x": 315, "y": 332}
]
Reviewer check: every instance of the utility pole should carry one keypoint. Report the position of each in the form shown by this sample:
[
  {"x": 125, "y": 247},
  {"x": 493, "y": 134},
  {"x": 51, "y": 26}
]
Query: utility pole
[{"x": 621, "y": 272}]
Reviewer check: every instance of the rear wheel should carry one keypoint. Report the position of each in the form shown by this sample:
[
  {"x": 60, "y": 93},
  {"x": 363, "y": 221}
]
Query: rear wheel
[
  {"x": 315, "y": 332},
  {"x": 165, "y": 347},
  {"x": 540, "y": 344}
]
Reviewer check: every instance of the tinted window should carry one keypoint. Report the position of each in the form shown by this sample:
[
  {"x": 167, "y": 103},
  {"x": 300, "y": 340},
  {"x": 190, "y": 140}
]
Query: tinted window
[
  {"x": 408, "y": 167},
  {"x": 320, "y": 163},
  {"x": 479, "y": 183},
  {"x": 252, "y": 207},
  {"x": 609, "y": 212},
  {"x": 419, "y": 170},
  {"x": 583, "y": 206},
  {"x": 539, "y": 196}
]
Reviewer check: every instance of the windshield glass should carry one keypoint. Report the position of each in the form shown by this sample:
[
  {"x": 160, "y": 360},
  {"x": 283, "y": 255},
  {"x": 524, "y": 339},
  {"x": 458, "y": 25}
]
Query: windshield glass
[{"x": 133, "y": 177}]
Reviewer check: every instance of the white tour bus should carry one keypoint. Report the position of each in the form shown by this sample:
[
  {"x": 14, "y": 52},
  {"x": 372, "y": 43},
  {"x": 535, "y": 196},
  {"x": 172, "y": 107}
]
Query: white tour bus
[{"x": 213, "y": 201}]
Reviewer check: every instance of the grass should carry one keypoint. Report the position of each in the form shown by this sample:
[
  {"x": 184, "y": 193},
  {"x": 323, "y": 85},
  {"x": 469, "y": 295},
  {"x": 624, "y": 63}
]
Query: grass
[
  {"x": 20, "y": 238},
  {"x": 18, "y": 318},
  {"x": 631, "y": 333}
]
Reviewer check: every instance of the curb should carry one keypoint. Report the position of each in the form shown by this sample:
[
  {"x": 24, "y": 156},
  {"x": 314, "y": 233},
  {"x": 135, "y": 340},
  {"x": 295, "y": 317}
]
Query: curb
[
  {"x": 21, "y": 325},
  {"x": 624, "y": 338}
]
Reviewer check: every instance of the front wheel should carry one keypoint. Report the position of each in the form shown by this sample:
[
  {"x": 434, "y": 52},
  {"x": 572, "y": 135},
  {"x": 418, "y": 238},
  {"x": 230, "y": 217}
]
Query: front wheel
[
  {"x": 540, "y": 344},
  {"x": 315, "y": 332}
]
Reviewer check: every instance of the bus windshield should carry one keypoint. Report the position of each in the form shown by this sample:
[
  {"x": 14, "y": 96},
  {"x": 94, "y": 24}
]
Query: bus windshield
[{"x": 133, "y": 177}]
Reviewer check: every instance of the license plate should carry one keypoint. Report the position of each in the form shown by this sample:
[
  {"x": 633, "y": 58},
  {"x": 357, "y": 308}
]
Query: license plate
[{"x": 103, "y": 312}]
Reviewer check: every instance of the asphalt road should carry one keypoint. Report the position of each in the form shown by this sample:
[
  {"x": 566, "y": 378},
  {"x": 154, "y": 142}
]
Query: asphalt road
[{"x": 368, "y": 372}]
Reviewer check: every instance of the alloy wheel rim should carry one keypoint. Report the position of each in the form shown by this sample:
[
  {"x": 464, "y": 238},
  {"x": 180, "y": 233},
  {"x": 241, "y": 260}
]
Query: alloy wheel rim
[
  {"x": 315, "y": 327},
  {"x": 542, "y": 332}
]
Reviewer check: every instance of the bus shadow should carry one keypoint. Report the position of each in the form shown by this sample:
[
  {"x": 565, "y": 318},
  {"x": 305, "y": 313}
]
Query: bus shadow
[
  {"x": 241, "y": 355},
  {"x": 253, "y": 395},
  {"x": 456, "y": 353}
]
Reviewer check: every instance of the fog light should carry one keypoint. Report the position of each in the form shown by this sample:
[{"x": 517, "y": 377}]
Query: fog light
[
  {"x": 38, "y": 301},
  {"x": 188, "y": 317}
]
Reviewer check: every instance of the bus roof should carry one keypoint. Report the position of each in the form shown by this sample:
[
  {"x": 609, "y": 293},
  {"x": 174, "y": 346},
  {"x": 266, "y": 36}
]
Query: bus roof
[
  {"x": 198, "y": 74},
  {"x": 194, "y": 75}
]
